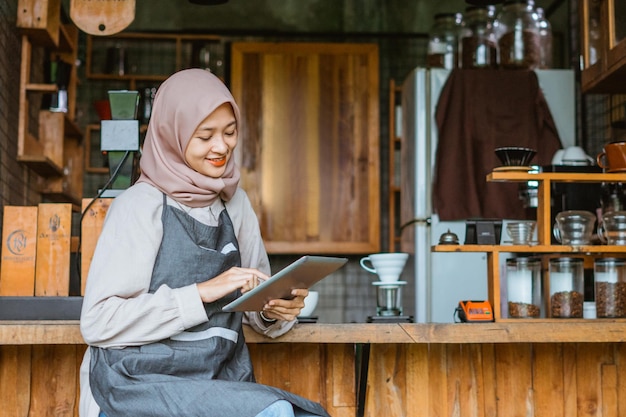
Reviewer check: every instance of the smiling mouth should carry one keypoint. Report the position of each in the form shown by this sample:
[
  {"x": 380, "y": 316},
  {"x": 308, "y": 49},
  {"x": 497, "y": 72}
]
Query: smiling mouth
[{"x": 217, "y": 162}]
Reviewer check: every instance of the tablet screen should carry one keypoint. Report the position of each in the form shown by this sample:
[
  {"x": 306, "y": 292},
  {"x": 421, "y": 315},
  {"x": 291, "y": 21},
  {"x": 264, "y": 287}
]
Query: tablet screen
[{"x": 303, "y": 273}]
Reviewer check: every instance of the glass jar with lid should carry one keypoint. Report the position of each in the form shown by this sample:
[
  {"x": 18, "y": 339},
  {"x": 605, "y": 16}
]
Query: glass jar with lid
[
  {"x": 524, "y": 287},
  {"x": 443, "y": 40},
  {"x": 567, "y": 287},
  {"x": 478, "y": 45},
  {"x": 609, "y": 275},
  {"x": 519, "y": 42}
]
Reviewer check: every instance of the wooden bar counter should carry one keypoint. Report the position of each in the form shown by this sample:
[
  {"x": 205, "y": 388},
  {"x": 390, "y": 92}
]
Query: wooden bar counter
[{"x": 567, "y": 368}]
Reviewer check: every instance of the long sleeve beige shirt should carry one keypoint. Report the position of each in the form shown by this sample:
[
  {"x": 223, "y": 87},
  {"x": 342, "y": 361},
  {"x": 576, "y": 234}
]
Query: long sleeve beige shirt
[{"x": 117, "y": 309}]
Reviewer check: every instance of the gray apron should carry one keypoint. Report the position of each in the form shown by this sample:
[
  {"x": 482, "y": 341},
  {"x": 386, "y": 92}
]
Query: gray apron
[{"x": 203, "y": 372}]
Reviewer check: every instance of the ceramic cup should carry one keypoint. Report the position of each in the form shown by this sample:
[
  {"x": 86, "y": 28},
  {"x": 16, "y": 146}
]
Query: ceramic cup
[
  {"x": 613, "y": 157},
  {"x": 310, "y": 302},
  {"x": 388, "y": 266}
]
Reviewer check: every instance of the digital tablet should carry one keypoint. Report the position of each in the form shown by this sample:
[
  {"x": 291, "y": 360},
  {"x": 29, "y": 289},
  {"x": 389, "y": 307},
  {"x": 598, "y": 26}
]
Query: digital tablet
[{"x": 303, "y": 273}]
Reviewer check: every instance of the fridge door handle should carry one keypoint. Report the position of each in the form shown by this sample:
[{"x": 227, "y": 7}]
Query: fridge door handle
[{"x": 418, "y": 220}]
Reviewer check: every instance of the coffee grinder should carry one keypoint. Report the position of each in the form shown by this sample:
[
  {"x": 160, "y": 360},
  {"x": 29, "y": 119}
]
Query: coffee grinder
[{"x": 119, "y": 139}]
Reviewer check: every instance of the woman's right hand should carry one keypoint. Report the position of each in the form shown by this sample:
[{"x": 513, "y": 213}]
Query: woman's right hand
[{"x": 229, "y": 281}]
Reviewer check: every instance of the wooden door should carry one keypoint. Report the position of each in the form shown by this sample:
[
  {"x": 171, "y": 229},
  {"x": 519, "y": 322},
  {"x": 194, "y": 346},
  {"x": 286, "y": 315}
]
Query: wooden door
[{"x": 309, "y": 143}]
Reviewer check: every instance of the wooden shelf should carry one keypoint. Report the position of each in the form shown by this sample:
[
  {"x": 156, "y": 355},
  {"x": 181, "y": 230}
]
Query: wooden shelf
[
  {"x": 54, "y": 152},
  {"x": 586, "y": 249},
  {"x": 128, "y": 77},
  {"x": 544, "y": 235},
  {"x": 556, "y": 177},
  {"x": 41, "y": 88}
]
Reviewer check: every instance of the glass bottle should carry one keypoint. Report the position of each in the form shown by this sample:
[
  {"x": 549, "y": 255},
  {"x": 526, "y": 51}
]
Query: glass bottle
[
  {"x": 518, "y": 35},
  {"x": 148, "y": 99},
  {"x": 523, "y": 287},
  {"x": 545, "y": 36},
  {"x": 567, "y": 287},
  {"x": 478, "y": 46},
  {"x": 443, "y": 41}
]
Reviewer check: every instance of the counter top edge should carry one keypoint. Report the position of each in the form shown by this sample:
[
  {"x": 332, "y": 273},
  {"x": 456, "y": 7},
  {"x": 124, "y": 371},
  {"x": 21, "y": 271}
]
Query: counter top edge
[{"x": 589, "y": 331}]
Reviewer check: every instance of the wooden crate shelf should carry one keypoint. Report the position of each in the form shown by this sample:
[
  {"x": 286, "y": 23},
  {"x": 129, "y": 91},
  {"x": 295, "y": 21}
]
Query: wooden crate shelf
[{"x": 543, "y": 248}]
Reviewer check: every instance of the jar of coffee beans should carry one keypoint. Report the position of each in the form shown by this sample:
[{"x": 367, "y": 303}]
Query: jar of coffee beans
[
  {"x": 519, "y": 41},
  {"x": 443, "y": 41},
  {"x": 523, "y": 287},
  {"x": 567, "y": 287},
  {"x": 609, "y": 275},
  {"x": 478, "y": 45}
]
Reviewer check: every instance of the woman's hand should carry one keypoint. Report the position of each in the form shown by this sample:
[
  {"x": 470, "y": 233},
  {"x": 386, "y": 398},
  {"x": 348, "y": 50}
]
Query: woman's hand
[
  {"x": 286, "y": 309},
  {"x": 229, "y": 281}
]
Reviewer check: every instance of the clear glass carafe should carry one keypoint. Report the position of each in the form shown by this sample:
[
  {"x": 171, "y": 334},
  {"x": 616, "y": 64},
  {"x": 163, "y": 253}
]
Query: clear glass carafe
[
  {"x": 443, "y": 41},
  {"x": 519, "y": 42},
  {"x": 478, "y": 45}
]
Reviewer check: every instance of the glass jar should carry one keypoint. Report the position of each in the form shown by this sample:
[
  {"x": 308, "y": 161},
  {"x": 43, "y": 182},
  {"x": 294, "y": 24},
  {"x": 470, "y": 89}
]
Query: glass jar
[
  {"x": 567, "y": 287},
  {"x": 519, "y": 42},
  {"x": 523, "y": 287},
  {"x": 545, "y": 36},
  {"x": 443, "y": 41},
  {"x": 478, "y": 45},
  {"x": 610, "y": 286}
]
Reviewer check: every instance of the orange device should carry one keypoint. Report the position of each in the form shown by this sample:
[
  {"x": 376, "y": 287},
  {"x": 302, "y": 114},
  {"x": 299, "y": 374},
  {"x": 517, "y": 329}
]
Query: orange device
[{"x": 474, "y": 311}]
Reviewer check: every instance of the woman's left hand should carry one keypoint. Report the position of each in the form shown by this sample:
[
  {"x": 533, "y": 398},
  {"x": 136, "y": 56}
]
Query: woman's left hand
[{"x": 286, "y": 309}]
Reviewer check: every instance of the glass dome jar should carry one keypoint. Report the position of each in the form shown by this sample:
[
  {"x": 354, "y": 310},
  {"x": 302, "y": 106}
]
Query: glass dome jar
[
  {"x": 478, "y": 44},
  {"x": 443, "y": 41},
  {"x": 519, "y": 42}
]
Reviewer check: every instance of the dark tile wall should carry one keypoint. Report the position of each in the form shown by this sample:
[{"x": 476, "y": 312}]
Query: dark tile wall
[{"x": 18, "y": 185}]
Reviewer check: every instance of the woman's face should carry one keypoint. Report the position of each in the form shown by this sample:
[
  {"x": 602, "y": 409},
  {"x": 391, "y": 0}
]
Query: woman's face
[{"x": 212, "y": 144}]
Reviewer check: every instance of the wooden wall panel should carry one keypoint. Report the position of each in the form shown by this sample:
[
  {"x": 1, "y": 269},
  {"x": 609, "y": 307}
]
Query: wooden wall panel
[
  {"x": 322, "y": 373},
  {"x": 405, "y": 380},
  {"x": 387, "y": 378},
  {"x": 548, "y": 380},
  {"x": 53, "y": 389},
  {"x": 417, "y": 391},
  {"x": 317, "y": 103},
  {"x": 15, "y": 380}
]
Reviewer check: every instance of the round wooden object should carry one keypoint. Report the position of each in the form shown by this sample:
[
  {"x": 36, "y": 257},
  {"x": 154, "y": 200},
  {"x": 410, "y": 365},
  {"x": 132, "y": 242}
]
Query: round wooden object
[{"x": 102, "y": 18}]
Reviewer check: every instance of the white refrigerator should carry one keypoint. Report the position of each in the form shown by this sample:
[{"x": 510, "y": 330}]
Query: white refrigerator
[{"x": 441, "y": 280}]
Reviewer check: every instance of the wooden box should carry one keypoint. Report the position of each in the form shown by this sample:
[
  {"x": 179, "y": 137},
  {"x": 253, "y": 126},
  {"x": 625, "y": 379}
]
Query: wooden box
[
  {"x": 54, "y": 229},
  {"x": 19, "y": 249},
  {"x": 40, "y": 20},
  {"x": 91, "y": 227}
]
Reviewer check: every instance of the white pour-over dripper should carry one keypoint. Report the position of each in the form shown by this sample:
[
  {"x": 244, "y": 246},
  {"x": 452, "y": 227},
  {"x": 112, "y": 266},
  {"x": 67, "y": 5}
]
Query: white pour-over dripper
[{"x": 388, "y": 266}]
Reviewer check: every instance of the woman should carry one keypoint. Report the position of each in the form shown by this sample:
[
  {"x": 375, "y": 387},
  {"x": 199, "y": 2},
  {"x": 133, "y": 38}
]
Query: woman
[{"x": 174, "y": 249}]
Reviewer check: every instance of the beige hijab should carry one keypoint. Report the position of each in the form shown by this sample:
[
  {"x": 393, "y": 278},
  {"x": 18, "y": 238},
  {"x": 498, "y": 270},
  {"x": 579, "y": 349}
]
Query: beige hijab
[{"x": 183, "y": 101}]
